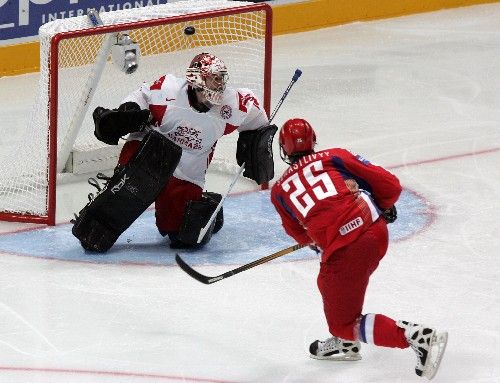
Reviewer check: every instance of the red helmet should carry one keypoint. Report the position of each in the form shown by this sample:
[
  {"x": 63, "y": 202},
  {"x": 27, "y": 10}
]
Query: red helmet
[
  {"x": 297, "y": 138},
  {"x": 209, "y": 73}
]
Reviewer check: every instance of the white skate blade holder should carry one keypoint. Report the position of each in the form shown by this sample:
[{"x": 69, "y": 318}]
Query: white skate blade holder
[
  {"x": 338, "y": 357},
  {"x": 438, "y": 346}
]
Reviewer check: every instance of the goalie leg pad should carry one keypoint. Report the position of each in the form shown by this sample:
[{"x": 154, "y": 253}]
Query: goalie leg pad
[
  {"x": 219, "y": 219},
  {"x": 195, "y": 218},
  {"x": 127, "y": 194},
  {"x": 255, "y": 149}
]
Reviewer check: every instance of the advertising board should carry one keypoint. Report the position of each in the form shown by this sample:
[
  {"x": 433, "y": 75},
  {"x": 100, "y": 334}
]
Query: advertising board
[{"x": 20, "y": 19}]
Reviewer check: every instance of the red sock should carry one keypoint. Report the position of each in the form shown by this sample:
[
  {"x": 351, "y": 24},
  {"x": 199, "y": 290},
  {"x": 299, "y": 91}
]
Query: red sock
[{"x": 380, "y": 330}]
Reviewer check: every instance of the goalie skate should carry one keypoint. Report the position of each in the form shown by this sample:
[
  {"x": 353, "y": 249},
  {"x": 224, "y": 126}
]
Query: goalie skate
[
  {"x": 335, "y": 349},
  {"x": 428, "y": 344}
]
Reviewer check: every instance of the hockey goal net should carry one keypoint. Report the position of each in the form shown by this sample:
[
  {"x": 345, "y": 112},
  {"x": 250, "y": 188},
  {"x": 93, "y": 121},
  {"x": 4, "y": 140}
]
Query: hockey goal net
[{"x": 77, "y": 74}]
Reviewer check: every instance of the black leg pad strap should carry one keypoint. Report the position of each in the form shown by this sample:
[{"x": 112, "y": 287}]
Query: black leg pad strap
[{"x": 128, "y": 193}]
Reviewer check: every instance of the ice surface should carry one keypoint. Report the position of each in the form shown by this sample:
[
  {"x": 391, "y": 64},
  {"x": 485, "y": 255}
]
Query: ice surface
[{"x": 418, "y": 94}]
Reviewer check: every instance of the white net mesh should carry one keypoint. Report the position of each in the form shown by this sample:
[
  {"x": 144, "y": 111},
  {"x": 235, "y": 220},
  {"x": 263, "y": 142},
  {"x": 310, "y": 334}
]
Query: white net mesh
[{"x": 238, "y": 38}]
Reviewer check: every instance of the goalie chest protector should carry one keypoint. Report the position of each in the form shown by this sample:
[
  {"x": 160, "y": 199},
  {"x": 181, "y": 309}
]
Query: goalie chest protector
[{"x": 128, "y": 193}]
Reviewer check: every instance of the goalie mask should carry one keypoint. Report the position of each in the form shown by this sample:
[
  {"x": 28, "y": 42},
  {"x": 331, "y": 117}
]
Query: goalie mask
[
  {"x": 209, "y": 74},
  {"x": 297, "y": 138}
]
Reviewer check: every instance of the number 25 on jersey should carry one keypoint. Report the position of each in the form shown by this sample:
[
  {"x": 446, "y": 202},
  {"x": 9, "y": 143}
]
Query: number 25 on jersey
[{"x": 318, "y": 187}]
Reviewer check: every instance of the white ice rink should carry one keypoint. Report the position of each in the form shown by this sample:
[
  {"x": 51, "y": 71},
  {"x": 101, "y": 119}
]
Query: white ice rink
[{"x": 418, "y": 94}]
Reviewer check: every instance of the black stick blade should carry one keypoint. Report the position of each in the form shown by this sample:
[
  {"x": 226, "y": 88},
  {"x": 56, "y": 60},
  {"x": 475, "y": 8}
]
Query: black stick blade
[
  {"x": 208, "y": 280},
  {"x": 193, "y": 273}
]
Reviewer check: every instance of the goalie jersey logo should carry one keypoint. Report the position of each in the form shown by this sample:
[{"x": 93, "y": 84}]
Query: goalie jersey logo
[{"x": 226, "y": 112}]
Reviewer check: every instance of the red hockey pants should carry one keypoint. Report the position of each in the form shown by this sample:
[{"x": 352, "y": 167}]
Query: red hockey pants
[{"x": 344, "y": 277}]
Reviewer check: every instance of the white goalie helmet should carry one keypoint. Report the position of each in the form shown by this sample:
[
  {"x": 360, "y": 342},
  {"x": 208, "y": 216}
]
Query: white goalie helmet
[{"x": 209, "y": 73}]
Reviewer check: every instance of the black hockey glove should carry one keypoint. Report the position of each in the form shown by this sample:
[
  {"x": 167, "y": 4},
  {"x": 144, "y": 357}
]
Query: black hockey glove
[
  {"x": 315, "y": 248},
  {"x": 254, "y": 148},
  {"x": 112, "y": 124},
  {"x": 390, "y": 215}
]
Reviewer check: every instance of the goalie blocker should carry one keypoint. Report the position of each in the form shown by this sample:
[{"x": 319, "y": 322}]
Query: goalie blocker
[
  {"x": 255, "y": 149},
  {"x": 196, "y": 217},
  {"x": 129, "y": 192}
]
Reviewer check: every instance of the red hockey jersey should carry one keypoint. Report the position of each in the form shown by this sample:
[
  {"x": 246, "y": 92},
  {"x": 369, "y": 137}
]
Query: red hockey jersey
[{"x": 317, "y": 203}]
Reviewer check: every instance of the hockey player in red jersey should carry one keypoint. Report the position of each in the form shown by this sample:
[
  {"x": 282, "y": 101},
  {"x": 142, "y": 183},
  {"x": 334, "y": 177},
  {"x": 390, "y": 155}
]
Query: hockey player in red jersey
[
  {"x": 339, "y": 203},
  {"x": 191, "y": 113}
]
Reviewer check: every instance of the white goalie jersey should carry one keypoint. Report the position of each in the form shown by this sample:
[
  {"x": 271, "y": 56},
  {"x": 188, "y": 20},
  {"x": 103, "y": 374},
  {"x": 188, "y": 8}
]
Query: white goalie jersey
[{"x": 196, "y": 132}]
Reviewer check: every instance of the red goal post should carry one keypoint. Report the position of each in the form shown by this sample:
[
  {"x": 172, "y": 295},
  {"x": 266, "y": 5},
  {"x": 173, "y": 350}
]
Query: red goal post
[{"x": 77, "y": 74}]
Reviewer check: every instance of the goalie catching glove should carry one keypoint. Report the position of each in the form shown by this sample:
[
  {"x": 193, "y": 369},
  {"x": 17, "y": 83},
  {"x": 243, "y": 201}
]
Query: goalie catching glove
[
  {"x": 255, "y": 149},
  {"x": 112, "y": 124}
]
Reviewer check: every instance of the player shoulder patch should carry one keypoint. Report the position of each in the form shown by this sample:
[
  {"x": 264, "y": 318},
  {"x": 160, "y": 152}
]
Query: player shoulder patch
[
  {"x": 245, "y": 100},
  {"x": 360, "y": 158}
]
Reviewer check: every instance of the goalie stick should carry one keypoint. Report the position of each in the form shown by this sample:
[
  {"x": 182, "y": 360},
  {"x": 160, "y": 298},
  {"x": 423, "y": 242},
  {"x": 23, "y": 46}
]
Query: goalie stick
[
  {"x": 208, "y": 280},
  {"x": 205, "y": 228},
  {"x": 295, "y": 77}
]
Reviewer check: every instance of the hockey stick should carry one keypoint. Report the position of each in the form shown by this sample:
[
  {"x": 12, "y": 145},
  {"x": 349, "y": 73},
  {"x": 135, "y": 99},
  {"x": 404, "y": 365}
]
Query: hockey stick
[
  {"x": 295, "y": 77},
  {"x": 208, "y": 280},
  {"x": 205, "y": 228}
]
